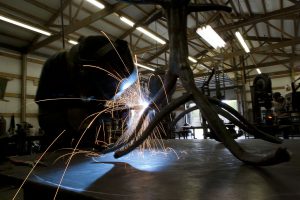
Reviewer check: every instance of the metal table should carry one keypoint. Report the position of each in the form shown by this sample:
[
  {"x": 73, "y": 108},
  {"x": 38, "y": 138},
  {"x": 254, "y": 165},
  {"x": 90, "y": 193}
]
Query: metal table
[{"x": 188, "y": 169}]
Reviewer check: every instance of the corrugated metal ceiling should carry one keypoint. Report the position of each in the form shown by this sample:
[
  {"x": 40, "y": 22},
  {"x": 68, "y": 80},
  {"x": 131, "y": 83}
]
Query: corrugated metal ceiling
[{"x": 271, "y": 28}]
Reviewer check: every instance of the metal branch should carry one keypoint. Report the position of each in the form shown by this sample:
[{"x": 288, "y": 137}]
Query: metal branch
[
  {"x": 176, "y": 13},
  {"x": 274, "y": 157},
  {"x": 167, "y": 110},
  {"x": 132, "y": 136},
  {"x": 233, "y": 116},
  {"x": 250, "y": 127},
  {"x": 182, "y": 114}
]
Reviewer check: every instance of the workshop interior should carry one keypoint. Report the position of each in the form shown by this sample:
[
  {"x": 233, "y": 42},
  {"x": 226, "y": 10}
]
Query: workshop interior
[{"x": 149, "y": 99}]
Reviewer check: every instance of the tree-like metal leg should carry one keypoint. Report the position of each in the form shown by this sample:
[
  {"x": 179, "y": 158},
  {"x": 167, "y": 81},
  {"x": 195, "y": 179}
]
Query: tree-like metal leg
[{"x": 176, "y": 12}]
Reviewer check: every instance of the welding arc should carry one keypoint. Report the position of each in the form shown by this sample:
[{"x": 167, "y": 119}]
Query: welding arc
[
  {"x": 159, "y": 98},
  {"x": 164, "y": 112},
  {"x": 131, "y": 137}
]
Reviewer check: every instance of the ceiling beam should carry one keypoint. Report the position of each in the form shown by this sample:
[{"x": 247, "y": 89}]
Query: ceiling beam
[
  {"x": 42, "y": 6},
  {"x": 287, "y": 55},
  {"x": 294, "y": 1},
  {"x": 256, "y": 19},
  {"x": 21, "y": 15},
  {"x": 143, "y": 22},
  {"x": 86, "y": 21},
  {"x": 11, "y": 47},
  {"x": 275, "y": 74},
  {"x": 49, "y": 22},
  {"x": 254, "y": 50},
  {"x": 252, "y": 20},
  {"x": 262, "y": 65},
  {"x": 147, "y": 49},
  {"x": 294, "y": 16},
  {"x": 266, "y": 39},
  {"x": 267, "y": 64},
  {"x": 162, "y": 50}
]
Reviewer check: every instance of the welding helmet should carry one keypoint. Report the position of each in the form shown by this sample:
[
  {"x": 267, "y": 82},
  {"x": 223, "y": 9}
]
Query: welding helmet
[{"x": 113, "y": 71}]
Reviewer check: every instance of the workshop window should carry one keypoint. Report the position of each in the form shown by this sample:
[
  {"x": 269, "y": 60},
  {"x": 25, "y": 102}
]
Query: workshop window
[
  {"x": 231, "y": 103},
  {"x": 194, "y": 119}
]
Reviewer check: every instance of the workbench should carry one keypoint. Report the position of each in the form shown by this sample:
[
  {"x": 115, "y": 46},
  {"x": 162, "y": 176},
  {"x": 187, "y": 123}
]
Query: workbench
[{"x": 186, "y": 169}]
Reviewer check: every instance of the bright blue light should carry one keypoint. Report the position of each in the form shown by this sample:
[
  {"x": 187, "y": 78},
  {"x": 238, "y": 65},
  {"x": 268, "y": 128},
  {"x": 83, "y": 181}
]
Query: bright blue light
[
  {"x": 78, "y": 177},
  {"x": 83, "y": 174},
  {"x": 127, "y": 82},
  {"x": 146, "y": 160}
]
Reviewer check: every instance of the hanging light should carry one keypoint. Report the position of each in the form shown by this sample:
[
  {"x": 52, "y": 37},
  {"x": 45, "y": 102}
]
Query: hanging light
[
  {"x": 127, "y": 21},
  {"x": 144, "y": 66},
  {"x": 151, "y": 35},
  {"x": 242, "y": 41},
  {"x": 73, "y": 42},
  {"x": 258, "y": 71},
  {"x": 23, "y": 25},
  {"x": 192, "y": 59},
  {"x": 142, "y": 30},
  {"x": 211, "y": 37},
  {"x": 96, "y": 3}
]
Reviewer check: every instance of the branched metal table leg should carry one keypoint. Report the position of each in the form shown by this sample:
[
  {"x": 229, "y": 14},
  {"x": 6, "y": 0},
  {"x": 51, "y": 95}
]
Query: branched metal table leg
[{"x": 176, "y": 12}]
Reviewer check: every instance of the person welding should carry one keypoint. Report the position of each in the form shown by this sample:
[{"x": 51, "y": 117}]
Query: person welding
[
  {"x": 279, "y": 105},
  {"x": 75, "y": 84},
  {"x": 281, "y": 115}
]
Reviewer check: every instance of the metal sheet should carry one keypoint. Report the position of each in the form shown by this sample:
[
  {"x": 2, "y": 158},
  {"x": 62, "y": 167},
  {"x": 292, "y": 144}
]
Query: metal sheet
[{"x": 187, "y": 169}]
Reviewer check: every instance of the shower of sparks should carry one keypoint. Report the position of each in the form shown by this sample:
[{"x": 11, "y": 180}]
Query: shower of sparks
[
  {"x": 132, "y": 98},
  {"x": 36, "y": 163}
]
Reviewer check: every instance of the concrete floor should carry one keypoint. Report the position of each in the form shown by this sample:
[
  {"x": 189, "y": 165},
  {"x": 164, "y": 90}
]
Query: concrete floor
[
  {"x": 7, "y": 192},
  {"x": 8, "y": 189},
  {"x": 188, "y": 169}
]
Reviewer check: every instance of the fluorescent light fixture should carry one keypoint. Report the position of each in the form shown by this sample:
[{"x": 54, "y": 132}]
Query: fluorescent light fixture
[
  {"x": 144, "y": 31},
  {"x": 73, "y": 42},
  {"x": 192, "y": 59},
  {"x": 96, "y": 3},
  {"x": 242, "y": 41},
  {"x": 127, "y": 21},
  {"x": 211, "y": 37},
  {"x": 145, "y": 67},
  {"x": 154, "y": 37},
  {"x": 32, "y": 28},
  {"x": 258, "y": 70}
]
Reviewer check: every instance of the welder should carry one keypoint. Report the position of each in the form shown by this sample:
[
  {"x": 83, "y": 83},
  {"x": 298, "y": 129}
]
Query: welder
[{"x": 75, "y": 84}]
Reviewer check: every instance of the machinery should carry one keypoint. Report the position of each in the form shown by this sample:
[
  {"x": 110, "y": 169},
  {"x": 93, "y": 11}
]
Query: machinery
[
  {"x": 287, "y": 123},
  {"x": 261, "y": 93},
  {"x": 293, "y": 98},
  {"x": 293, "y": 111}
]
